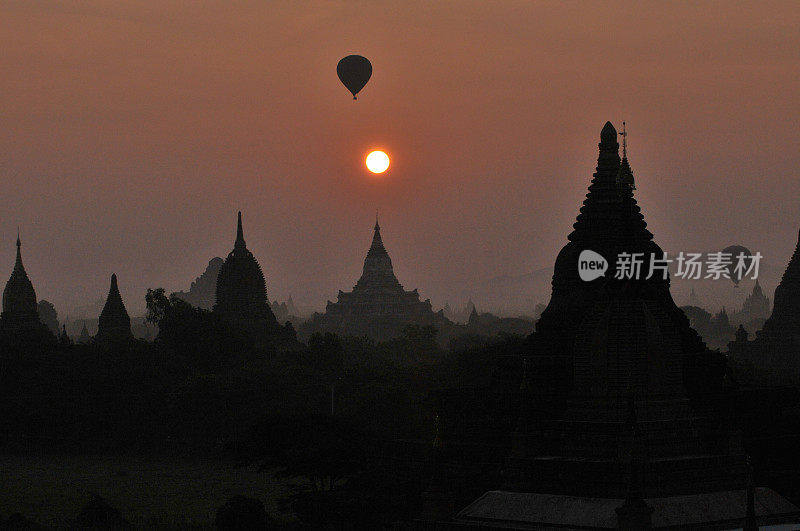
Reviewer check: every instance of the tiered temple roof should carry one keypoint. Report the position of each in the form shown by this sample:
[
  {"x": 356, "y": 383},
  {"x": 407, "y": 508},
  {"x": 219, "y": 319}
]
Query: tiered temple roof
[
  {"x": 378, "y": 306},
  {"x": 756, "y": 305}
]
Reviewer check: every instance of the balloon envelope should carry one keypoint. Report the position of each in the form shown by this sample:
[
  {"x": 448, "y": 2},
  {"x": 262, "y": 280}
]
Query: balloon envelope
[
  {"x": 735, "y": 251},
  {"x": 354, "y": 71}
]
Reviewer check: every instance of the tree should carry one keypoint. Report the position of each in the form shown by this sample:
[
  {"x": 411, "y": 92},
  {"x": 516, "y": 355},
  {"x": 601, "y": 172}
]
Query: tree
[
  {"x": 48, "y": 316},
  {"x": 326, "y": 352},
  {"x": 157, "y": 305},
  {"x": 199, "y": 336},
  {"x": 422, "y": 339}
]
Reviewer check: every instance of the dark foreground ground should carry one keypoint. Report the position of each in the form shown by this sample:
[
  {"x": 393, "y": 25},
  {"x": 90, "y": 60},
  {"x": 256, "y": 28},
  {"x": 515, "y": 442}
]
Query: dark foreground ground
[{"x": 148, "y": 491}]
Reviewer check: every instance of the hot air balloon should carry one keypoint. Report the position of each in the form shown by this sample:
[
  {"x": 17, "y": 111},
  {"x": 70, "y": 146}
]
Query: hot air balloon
[
  {"x": 354, "y": 71},
  {"x": 735, "y": 251}
]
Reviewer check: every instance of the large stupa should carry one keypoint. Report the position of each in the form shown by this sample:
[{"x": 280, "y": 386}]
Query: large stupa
[{"x": 241, "y": 294}]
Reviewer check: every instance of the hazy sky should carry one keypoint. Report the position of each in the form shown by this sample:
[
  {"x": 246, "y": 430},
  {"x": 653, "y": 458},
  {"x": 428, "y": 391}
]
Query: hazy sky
[{"x": 132, "y": 132}]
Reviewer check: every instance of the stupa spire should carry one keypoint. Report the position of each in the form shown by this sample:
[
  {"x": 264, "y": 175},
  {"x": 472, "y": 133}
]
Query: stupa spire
[
  {"x": 600, "y": 211},
  {"x": 377, "y": 241},
  {"x": 240, "y": 244},
  {"x": 377, "y": 264},
  {"x": 625, "y": 174},
  {"x": 18, "y": 263}
]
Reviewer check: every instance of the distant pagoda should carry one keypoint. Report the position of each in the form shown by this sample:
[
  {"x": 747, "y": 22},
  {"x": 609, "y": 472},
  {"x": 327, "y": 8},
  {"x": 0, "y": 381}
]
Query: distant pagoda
[
  {"x": 756, "y": 307},
  {"x": 20, "y": 310},
  {"x": 84, "y": 336},
  {"x": 202, "y": 292},
  {"x": 114, "y": 324},
  {"x": 378, "y": 306},
  {"x": 694, "y": 300},
  {"x": 241, "y": 296}
]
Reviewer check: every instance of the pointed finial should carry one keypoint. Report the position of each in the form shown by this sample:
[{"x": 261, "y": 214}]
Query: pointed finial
[
  {"x": 18, "y": 262},
  {"x": 377, "y": 227},
  {"x": 239, "y": 233},
  {"x": 624, "y": 135},
  {"x": 113, "y": 281}
]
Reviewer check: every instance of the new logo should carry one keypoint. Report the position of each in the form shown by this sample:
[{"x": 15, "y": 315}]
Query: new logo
[{"x": 591, "y": 265}]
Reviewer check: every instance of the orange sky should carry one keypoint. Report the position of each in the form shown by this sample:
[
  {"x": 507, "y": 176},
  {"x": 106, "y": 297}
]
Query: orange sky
[{"x": 132, "y": 132}]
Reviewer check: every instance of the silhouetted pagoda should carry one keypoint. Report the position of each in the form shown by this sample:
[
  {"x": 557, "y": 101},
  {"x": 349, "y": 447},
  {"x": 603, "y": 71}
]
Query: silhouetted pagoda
[
  {"x": 616, "y": 392},
  {"x": 378, "y": 306},
  {"x": 694, "y": 300},
  {"x": 114, "y": 324},
  {"x": 20, "y": 310},
  {"x": 242, "y": 290},
  {"x": 84, "y": 337},
  {"x": 755, "y": 310},
  {"x": 602, "y": 343}
]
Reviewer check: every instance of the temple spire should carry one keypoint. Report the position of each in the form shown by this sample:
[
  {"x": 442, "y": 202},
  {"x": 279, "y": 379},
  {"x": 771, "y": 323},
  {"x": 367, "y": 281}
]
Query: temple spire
[
  {"x": 377, "y": 241},
  {"x": 377, "y": 265},
  {"x": 625, "y": 174},
  {"x": 600, "y": 209},
  {"x": 240, "y": 244},
  {"x": 18, "y": 262}
]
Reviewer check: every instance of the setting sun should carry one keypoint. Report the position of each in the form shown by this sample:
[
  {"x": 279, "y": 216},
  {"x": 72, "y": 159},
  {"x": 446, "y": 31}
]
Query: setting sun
[{"x": 377, "y": 162}]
